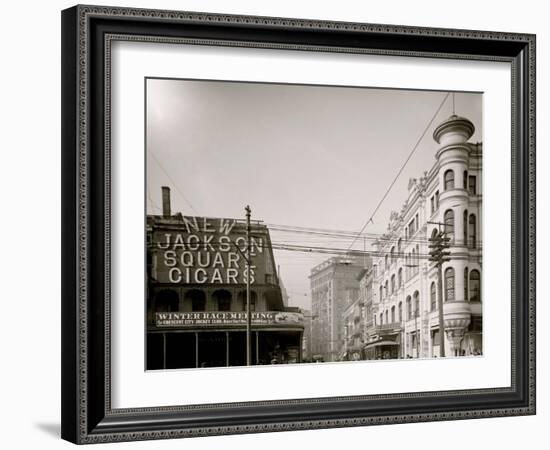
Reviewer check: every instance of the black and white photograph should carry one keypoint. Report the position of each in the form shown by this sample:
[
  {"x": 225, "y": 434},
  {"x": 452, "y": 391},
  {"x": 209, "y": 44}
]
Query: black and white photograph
[{"x": 295, "y": 223}]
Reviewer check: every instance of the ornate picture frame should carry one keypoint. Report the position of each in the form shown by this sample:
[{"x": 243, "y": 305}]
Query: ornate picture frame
[{"x": 88, "y": 33}]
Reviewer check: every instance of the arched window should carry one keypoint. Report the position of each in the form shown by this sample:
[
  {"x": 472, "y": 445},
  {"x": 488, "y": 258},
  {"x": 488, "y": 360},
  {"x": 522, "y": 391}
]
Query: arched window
[
  {"x": 409, "y": 308},
  {"x": 393, "y": 314},
  {"x": 433, "y": 297},
  {"x": 475, "y": 286},
  {"x": 416, "y": 297},
  {"x": 381, "y": 293},
  {"x": 253, "y": 297},
  {"x": 465, "y": 284},
  {"x": 400, "y": 311},
  {"x": 386, "y": 262},
  {"x": 449, "y": 219},
  {"x": 472, "y": 230},
  {"x": 393, "y": 283},
  {"x": 386, "y": 292},
  {"x": 400, "y": 277},
  {"x": 449, "y": 179},
  {"x": 167, "y": 300},
  {"x": 449, "y": 284},
  {"x": 392, "y": 254},
  {"x": 197, "y": 299},
  {"x": 387, "y": 321},
  {"x": 399, "y": 249},
  {"x": 223, "y": 298},
  {"x": 465, "y": 180},
  {"x": 465, "y": 228},
  {"x": 381, "y": 319}
]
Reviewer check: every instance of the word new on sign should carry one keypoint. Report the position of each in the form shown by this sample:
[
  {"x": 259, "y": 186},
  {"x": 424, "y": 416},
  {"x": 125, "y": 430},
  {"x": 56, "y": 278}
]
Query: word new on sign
[{"x": 209, "y": 251}]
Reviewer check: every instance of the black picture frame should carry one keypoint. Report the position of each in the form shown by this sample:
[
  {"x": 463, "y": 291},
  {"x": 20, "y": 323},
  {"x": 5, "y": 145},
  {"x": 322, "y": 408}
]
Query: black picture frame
[{"x": 87, "y": 416}]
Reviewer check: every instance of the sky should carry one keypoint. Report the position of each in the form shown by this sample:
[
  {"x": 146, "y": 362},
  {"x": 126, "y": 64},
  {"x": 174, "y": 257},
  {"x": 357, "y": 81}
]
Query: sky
[{"x": 299, "y": 155}]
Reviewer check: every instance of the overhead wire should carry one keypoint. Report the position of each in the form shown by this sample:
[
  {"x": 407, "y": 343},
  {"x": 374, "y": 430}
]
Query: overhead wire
[
  {"x": 369, "y": 220},
  {"x": 173, "y": 182}
]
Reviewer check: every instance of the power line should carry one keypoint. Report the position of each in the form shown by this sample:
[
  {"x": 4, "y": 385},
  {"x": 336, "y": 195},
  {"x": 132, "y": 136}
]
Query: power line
[
  {"x": 312, "y": 249},
  {"x": 351, "y": 235},
  {"x": 173, "y": 182},
  {"x": 402, "y": 167}
]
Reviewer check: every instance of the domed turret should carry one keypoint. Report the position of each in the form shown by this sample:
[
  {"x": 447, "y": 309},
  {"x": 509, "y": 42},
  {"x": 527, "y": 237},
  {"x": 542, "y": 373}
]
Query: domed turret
[{"x": 454, "y": 130}]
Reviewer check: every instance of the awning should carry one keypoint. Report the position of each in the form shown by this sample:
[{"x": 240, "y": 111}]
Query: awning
[{"x": 381, "y": 343}]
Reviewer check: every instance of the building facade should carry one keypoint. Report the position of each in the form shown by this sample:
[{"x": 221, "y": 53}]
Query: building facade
[
  {"x": 196, "y": 295},
  {"x": 402, "y": 319},
  {"x": 353, "y": 323},
  {"x": 332, "y": 283}
]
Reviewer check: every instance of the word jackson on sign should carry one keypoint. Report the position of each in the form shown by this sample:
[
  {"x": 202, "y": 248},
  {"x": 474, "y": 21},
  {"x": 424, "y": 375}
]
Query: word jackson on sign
[
  {"x": 198, "y": 291},
  {"x": 200, "y": 250}
]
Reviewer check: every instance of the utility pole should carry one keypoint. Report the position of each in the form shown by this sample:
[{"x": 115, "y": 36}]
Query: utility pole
[
  {"x": 438, "y": 254},
  {"x": 248, "y": 316},
  {"x": 416, "y": 331}
]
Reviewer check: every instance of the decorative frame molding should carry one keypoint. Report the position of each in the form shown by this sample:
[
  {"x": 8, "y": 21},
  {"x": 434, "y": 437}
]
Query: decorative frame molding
[{"x": 87, "y": 34}]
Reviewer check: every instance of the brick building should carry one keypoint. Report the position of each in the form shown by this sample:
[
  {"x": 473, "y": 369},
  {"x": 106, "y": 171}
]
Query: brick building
[{"x": 196, "y": 295}]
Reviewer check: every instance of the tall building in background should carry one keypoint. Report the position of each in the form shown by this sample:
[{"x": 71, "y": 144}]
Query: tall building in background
[
  {"x": 403, "y": 319},
  {"x": 332, "y": 283},
  {"x": 353, "y": 318}
]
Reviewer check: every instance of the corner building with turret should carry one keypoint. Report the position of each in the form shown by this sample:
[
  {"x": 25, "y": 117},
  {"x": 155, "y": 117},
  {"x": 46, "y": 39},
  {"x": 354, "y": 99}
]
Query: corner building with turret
[{"x": 403, "y": 320}]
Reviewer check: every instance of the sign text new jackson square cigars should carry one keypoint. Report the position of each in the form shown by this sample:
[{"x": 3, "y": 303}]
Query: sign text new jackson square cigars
[{"x": 210, "y": 251}]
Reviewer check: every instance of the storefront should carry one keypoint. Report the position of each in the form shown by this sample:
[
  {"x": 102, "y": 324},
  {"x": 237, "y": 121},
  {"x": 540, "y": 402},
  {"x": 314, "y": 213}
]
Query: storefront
[{"x": 218, "y": 339}]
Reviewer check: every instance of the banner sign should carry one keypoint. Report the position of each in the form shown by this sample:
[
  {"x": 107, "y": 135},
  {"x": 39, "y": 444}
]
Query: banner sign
[{"x": 228, "y": 318}]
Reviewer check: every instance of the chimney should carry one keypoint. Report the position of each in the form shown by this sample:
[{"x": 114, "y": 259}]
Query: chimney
[{"x": 166, "y": 201}]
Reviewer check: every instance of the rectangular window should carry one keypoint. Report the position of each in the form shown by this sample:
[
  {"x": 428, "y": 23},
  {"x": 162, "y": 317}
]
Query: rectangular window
[{"x": 472, "y": 185}]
